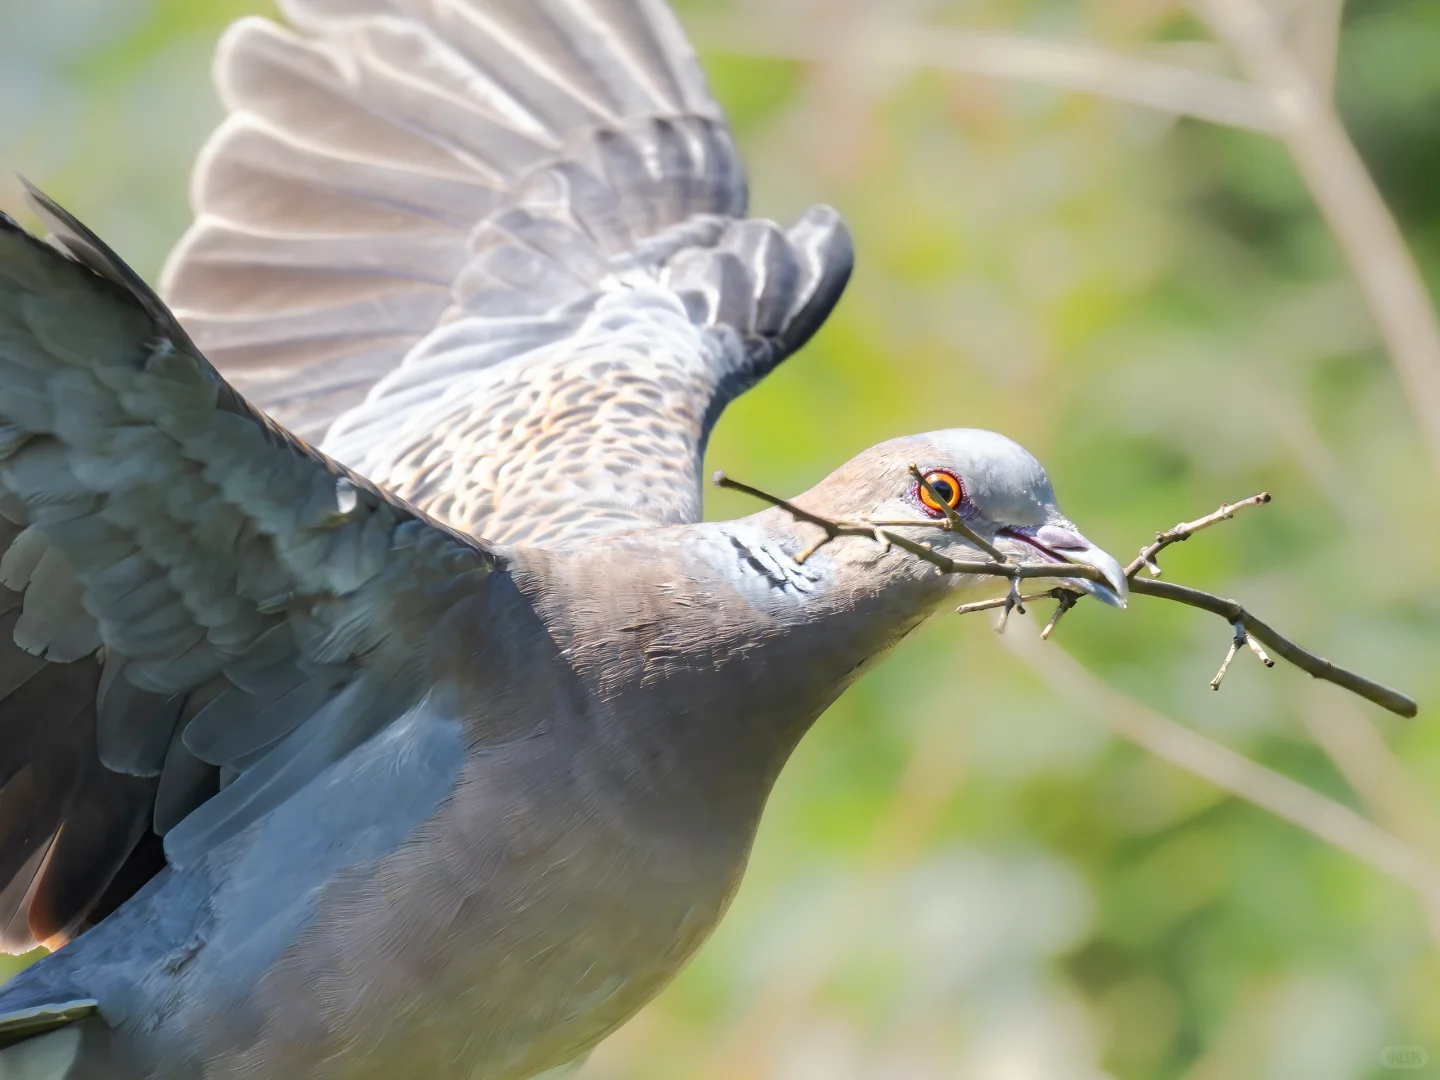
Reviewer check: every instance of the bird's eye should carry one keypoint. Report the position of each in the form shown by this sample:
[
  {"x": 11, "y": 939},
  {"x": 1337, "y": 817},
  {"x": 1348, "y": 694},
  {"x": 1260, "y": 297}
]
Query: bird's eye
[{"x": 946, "y": 485}]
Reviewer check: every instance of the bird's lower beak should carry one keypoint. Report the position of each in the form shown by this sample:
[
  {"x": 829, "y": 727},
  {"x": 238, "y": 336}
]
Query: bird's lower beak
[{"x": 1062, "y": 542}]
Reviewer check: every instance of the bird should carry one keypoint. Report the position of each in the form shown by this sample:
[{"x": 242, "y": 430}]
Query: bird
[{"x": 376, "y": 703}]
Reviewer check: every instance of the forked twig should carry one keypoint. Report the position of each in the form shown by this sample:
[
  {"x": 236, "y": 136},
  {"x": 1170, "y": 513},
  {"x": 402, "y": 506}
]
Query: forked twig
[
  {"x": 1068, "y": 599},
  {"x": 999, "y": 602},
  {"x": 833, "y": 529},
  {"x": 1248, "y": 629},
  {"x": 1305, "y": 660},
  {"x": 1235, "y": 643},
  {"x": 1185, "y": 530}
]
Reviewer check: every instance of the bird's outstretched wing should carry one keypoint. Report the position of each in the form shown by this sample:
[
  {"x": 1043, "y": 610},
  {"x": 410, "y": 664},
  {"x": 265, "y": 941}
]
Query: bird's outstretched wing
[
  {"x": 492, "y": 254},
  {"x": 199, "y": 613}
]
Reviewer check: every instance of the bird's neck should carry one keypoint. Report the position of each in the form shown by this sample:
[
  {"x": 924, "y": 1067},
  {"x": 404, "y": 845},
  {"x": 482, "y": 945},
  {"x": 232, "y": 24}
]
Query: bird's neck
[{"x": 707, "y": 651}]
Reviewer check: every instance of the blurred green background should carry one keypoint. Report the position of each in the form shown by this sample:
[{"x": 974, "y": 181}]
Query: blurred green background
[{"x": 964, "y": 873}]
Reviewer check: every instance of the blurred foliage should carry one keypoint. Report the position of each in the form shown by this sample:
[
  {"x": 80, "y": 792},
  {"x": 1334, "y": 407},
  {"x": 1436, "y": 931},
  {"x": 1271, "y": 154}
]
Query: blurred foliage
[{"x": 960, "y": 874}]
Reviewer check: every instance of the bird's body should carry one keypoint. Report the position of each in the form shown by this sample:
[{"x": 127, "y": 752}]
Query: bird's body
[
  {"x": 526, "y": 856},
  {"x": 436, "y": 751}
]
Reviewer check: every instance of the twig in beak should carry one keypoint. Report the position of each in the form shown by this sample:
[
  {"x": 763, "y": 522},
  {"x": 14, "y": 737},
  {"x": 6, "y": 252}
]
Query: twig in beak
[
  {"x": 1248, "y": 627},
  {"x": 1185, "y": 530}
]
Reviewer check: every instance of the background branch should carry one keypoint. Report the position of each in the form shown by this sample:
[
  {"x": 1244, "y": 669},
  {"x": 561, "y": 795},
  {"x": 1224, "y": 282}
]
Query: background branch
[
  {"x": 1168, "y": 85},
  {"x": 1173, "y": 742},
  {"x": 1279, "y": 97},
  {"x": 1348, "y": 199}
]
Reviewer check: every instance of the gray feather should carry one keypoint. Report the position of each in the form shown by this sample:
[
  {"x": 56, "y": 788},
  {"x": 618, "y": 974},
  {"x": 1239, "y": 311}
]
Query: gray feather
[
  {"x": 133, "y": 726},
  {"x": 171, "y": 523},
  {"x": 237, "y": 725}
]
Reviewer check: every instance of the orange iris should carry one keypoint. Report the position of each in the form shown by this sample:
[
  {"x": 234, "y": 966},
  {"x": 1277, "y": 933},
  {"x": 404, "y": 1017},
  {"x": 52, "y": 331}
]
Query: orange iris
[{"x": 946, "y": 485}]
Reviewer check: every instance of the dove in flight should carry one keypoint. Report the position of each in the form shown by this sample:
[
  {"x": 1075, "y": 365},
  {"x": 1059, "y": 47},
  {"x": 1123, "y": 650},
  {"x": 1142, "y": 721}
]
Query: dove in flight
[{"x": 375, "y": 703}]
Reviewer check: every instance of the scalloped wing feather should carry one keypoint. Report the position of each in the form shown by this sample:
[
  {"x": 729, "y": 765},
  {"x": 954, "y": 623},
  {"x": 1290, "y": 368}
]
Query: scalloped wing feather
[{"x": 411, "y": 194}]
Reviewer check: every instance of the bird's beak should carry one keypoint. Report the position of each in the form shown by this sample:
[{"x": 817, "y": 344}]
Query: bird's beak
[{"x": 1062, "y": 542}]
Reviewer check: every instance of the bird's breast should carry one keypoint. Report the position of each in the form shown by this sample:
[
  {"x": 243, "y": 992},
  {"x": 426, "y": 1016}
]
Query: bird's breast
[{"x": 520, "y": 925}]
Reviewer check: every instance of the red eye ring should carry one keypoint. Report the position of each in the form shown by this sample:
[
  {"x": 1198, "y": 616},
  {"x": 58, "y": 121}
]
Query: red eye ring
[{"x": 947, "y": 485}]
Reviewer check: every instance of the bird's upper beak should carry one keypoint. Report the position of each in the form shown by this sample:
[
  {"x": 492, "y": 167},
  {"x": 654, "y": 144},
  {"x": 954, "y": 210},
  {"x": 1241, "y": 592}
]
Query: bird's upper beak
[{"x": 1061, "y": 542}]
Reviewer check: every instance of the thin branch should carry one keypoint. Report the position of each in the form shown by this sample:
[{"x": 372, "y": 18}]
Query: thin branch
[
  {"x": 1010, "y": 603},
  {"x": 1001, "y": 601},
  {"x": 1187, "y": 529},
  {"x": 1348, "y": 199},
  {"x": 1067, "y": 600},
  {"x": 832, "y": 528},
  {"x": 1312, "y": 29},
  {"x": 1242, "y": 637},
  {"x": 1166, "y": 86},
  {"x": 907, "y": 523},
  {"x": 1258, "y": 651},
  {"x": 1250, "y": 630},
  {"x": 1305, "y": 660},
  {"x": 1235, "y": 643},
  {"x": 1013, "y": 571}
]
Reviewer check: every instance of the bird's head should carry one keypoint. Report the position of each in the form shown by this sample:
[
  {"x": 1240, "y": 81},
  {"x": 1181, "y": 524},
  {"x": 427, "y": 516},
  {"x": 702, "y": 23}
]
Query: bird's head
[{"x": 998, "y": 489}]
